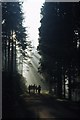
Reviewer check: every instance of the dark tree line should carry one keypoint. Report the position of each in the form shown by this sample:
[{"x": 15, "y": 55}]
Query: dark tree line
[
  {"x": 59, "y": 46},
  {"x": 14, "y": 45},
  {"x": 13, "y": 34}
]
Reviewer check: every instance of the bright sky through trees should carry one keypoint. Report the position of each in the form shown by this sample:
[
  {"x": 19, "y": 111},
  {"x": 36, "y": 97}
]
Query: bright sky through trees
[{"x": 32, "y": 18}]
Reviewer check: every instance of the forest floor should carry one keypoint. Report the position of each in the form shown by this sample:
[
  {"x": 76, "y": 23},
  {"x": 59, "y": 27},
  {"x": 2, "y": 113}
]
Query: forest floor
[{"x": 45, "y": 106}]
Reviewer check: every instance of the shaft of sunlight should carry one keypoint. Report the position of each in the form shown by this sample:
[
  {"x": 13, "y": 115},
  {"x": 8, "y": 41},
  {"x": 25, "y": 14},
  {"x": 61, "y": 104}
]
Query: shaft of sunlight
[{"x": 32, "y": 10}]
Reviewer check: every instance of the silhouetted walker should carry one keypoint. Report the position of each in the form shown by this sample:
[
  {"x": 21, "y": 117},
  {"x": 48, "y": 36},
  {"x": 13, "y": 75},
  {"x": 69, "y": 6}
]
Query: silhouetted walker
[
  {"x": 34, "y": 87},
  {"x": 39, "y": 89},
  {"x": 29, "y": 88}
]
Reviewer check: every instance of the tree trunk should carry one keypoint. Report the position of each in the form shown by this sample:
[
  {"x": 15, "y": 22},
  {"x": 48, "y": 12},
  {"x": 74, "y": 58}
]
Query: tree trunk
[
  {"x": 5, "y": 55},
  {"x": 50, "y": 86},
  {"x": 9, "y": 55},
  {"x": 64, "y": 83},
  {"x": 15, "y": 57},
  {"x": 59, "y": 82},
  {"x": 15, "y": 67},
  {"x": 69, "y": 84},
  {"x": 22, "y": 65},
  {"x": 12, "y": 55},
  {"x": 63, "y": 73}
]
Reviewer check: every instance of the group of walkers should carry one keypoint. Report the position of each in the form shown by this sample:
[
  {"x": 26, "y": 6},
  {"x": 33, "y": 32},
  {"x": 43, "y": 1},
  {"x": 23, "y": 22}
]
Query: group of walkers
[{"x": 35, "y": 88}]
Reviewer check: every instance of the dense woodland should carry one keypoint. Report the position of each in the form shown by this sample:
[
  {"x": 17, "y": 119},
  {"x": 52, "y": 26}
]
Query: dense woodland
[
  {"x": 14, "y": 44},
  {"x": 59, "y": 47}
]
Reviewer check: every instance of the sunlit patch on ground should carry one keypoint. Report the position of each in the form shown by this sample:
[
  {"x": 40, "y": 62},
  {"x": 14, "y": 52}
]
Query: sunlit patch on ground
[
  {"x": 61, "y": 100},
  {"x": 45, "y": 113},
  {"x": 45, "y": 92}
]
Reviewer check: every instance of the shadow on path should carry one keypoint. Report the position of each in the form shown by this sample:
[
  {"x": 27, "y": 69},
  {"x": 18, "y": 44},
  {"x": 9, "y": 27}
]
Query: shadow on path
[
  {"x": 46, "y": 106},
  {"x": 41, "y": 106}
]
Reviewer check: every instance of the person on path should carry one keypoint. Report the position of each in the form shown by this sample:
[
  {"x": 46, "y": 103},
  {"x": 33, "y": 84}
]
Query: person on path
[
  {"x": 36, "y": 88},
  {"x": 39, "y": 89},
  {"x": 29, "y": 89}
]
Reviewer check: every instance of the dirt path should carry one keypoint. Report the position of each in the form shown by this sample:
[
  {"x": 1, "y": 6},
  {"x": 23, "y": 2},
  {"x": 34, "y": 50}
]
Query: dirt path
[{"x": 44, "y": 106}]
